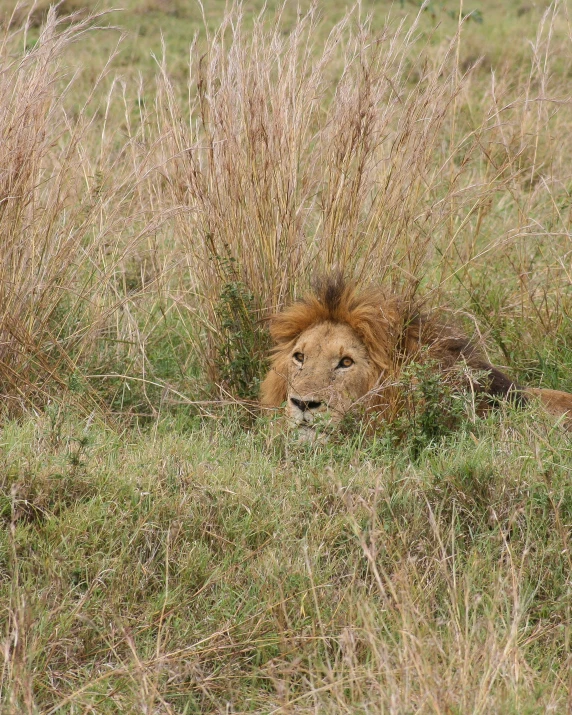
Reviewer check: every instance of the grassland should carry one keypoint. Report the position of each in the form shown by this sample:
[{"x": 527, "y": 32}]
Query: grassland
[{"x": 164, "y": 548}]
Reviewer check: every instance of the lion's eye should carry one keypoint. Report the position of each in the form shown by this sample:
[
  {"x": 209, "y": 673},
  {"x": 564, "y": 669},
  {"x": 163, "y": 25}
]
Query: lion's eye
[
  {"x": 346, "y": 362},
  {"x": 299, "y": 357}
]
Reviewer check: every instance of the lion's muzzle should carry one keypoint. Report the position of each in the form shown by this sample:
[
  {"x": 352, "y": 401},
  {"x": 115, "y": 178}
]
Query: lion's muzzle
[{"x": 302, "y": 411}]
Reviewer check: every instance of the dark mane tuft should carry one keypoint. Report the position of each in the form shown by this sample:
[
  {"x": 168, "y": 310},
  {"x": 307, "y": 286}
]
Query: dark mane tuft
[{"x": 330, "y": 290}]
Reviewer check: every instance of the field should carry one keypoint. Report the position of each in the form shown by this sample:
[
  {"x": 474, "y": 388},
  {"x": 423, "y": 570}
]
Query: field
[{"x": 170, "y": 175}]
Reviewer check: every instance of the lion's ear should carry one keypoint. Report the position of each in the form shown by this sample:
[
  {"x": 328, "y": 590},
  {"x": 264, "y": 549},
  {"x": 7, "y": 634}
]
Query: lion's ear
[
  {"x": 294, "y": 320},
  {"x": 286, "y": 326},
  {"x": 284, "y": 329}
]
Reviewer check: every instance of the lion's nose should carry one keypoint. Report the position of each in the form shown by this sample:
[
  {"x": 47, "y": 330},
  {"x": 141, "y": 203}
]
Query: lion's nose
[{"x": 305, "y": 405}]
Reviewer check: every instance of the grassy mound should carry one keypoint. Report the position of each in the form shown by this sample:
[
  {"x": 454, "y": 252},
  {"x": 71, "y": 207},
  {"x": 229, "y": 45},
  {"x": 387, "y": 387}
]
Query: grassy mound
[{"x": 200, "y": 568}]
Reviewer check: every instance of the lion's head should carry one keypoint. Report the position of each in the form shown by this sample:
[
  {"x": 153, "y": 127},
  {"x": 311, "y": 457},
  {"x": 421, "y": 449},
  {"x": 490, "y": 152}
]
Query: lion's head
[
  {"x": 334, "y": 347},
  {"x": 339, "y": 346}
]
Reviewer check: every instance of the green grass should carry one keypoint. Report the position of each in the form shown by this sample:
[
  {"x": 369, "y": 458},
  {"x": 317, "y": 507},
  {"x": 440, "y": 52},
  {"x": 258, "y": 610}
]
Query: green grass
[
  {"x": 186, "y": 567},
  {"x": 495, "y": 32}
]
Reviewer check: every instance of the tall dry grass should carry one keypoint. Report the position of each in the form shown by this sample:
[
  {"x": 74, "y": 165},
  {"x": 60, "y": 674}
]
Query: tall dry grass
[
  {"x": 377, "y": 153},
  {"x": 383, "y": 154},
  {"x": 70, "y": 214}
]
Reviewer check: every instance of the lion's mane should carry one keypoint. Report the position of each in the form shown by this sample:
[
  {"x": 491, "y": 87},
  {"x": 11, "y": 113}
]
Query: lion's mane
[{"x": 393, "y": 330}]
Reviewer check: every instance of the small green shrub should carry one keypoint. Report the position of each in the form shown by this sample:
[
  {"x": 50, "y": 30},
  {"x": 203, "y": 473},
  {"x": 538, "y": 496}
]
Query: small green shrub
[
  {"x": 434, "y": 407},
  {"x": 244, "y": 343}
]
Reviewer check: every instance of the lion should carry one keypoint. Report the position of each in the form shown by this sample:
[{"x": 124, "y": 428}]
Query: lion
[{"x": 340, "y": 347}]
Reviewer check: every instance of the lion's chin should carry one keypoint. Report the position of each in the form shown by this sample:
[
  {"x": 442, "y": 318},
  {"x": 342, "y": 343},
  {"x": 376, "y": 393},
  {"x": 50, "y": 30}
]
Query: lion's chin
[
  {"x": 306, "y": 434},
  {"x": 315, "y": 432},
  {"x": 314, "y": 428}
]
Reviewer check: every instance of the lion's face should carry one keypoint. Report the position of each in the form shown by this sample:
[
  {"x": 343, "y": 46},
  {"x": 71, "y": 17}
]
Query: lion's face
[
  {"x": 331, "y": 349},
  {"x": 328, "y": 370}
]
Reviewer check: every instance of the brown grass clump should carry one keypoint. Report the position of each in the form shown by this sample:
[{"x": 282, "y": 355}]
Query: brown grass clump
[{"x": 66, "y": 199}]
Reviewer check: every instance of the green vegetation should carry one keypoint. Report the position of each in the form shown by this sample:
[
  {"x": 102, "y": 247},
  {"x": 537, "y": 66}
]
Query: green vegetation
[
  {"x": 245, "y": 345},
  {"x": 164, "y": 547},
  {"x": 198, "y": 565}
]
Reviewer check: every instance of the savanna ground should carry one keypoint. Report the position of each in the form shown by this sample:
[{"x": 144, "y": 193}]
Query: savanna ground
[{"x": 169, "y": 175}]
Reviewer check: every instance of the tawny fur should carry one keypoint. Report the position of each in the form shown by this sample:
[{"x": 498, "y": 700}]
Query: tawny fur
[{"x": 394, "y": 333}]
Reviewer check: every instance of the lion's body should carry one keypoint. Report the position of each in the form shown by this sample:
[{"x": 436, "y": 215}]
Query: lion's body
[
  {"x": 555, "y": 402},
  {"x": 338, "y": 347}
]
